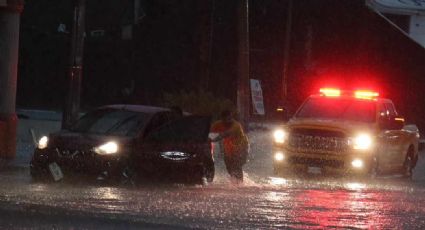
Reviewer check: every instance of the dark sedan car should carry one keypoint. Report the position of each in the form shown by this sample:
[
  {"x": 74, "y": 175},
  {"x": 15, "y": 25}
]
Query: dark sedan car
[{"x": 126, "y": 142}]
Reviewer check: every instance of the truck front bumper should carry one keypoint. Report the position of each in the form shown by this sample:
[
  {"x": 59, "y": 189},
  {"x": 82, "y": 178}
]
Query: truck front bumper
[{"x": 352, "y": 163}]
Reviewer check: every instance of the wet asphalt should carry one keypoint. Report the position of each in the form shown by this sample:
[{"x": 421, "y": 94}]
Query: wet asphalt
[{"x": 263, "y": 201}]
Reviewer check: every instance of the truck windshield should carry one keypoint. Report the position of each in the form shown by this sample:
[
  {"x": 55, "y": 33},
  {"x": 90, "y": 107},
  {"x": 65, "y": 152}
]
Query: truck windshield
[{"x": 338, "y": 108}]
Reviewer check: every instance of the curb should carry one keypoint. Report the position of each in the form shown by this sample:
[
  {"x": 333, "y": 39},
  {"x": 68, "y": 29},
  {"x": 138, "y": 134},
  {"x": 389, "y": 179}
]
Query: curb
[{"x": 10, "y": 165}]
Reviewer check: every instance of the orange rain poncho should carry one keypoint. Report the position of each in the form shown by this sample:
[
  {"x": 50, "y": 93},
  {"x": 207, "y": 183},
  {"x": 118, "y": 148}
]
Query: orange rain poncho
[{"x": 236, "y": 141}]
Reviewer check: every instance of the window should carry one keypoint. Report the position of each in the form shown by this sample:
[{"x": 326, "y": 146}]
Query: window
[
  {"x": 391, "y": 112},
  {"x": 338, "y": 108},
  {"x": 111, "y": 122},
  {"x": 186, "y": 129},
  {"x": 158, "y": 120},
  {"x": 383, "y": 112}
]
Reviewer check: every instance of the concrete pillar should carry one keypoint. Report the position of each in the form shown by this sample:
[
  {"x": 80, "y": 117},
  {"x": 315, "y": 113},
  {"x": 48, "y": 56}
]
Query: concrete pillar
[
  {"x": 10, "y": 11},
  {"x": 243, "y": 92}
]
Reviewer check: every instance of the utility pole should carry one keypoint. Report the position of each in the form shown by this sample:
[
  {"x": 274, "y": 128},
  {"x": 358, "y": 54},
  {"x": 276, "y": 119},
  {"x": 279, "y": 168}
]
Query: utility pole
[
  {"x": 72, "y": 106},
  {"x": 243, "y": 62},
  {"x": 206, "y": 24},
  {"x": 10, "y": 13},
  {"x": 286, "y": 54}
]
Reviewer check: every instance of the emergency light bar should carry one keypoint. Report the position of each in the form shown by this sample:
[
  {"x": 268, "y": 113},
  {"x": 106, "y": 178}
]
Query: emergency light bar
[
  {"x": 365, "y": 94},
  {"x": 330, "y": 92},
  {"x": 360, "y": 94}
]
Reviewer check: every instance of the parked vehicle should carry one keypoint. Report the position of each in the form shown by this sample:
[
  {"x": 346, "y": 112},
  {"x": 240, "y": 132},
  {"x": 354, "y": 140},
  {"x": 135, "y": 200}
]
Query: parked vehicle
[{"x": 127, "y": 142}]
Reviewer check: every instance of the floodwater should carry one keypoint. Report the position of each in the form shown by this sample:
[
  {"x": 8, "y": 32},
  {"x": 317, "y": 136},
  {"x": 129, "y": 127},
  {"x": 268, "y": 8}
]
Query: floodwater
[{"x": 262, "y": 201}]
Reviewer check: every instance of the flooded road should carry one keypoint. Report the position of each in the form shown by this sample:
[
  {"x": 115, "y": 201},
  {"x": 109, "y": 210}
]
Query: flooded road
[{"x": 263, "y": 201}]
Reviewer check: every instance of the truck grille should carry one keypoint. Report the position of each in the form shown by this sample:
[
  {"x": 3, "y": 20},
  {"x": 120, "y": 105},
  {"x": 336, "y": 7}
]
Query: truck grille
[{"x": 315, "y": 140}]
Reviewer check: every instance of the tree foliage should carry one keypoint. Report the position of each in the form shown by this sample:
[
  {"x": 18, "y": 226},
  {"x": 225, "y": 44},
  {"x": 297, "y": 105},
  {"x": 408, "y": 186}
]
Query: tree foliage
[{"x": 198, "y": 102}]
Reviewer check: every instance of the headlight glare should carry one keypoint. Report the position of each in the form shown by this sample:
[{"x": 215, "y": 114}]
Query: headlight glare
[
  {"x": 107, "y": 149},
  {"x": 43, "y": 142},
  {"x": 362, "y": 142},
  {"x": 279, "y": 156},
  {"x": 357, "y": 163},
  {"x": 279, "y": 136}
]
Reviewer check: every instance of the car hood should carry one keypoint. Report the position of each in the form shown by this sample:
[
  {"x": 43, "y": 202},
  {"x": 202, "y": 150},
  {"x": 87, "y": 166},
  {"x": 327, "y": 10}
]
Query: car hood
[
  {"x": 83, "y": 141},
  {"x": 347, "y": 127}
]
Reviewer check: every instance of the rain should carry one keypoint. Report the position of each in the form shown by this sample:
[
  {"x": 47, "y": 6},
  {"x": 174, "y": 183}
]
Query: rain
[{"x": 139, "y": 114}]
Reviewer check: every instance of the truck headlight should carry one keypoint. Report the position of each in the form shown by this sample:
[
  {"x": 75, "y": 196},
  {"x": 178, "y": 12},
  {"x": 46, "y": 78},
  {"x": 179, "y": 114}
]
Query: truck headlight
[
  {"x": 279, "y": 136},
  {"x": 107, "y": 149},
  {"x": 357, "y": 163},
  {"x": 43, "y": 142},
  {"x": 279, "y": 156},
  {"x": 362, "y": 142}
]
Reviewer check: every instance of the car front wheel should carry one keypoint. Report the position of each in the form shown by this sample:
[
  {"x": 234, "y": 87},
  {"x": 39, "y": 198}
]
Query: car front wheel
[
  {"x": 37, "y": 173},
  {"x": 129, "y": 175},
  {"x": 209, "y": 172}
]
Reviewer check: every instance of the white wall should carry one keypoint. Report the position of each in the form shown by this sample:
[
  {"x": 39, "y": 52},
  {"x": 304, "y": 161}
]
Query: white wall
[
  {"x": 413, "y": 8},
  {"x": 417, "y": 29}
]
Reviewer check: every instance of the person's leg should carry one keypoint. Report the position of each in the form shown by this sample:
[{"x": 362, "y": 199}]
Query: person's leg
[
  {"x": 238, "y": 172},
  {"x": 234, "y": 167},
  {"x": 229, "y": 163}
]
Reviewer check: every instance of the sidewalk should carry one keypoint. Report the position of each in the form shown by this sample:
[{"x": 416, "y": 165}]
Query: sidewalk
[{"x": 43, "y": 123}]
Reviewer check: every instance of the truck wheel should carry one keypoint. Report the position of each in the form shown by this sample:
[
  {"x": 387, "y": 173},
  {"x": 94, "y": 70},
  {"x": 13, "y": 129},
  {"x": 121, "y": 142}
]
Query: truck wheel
[
  {"x": 408, "y": 166},
  {"x": 288, "y": 172},
  {"x": 278, "y": 171},
  {"x": 374, "y": 169}
]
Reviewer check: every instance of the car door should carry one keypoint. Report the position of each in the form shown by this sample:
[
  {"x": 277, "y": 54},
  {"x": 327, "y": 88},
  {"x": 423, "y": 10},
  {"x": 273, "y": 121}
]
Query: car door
[
  {"x": 181, "y": 140},
  {"x": 392, "y": 139},
  {"x": 398, "y": 138}
]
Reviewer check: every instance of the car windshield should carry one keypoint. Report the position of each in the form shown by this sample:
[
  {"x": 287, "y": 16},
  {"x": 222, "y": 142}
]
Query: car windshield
[
  {"x": 338, "y": 108},
  {"x": 111, "y": 122}
]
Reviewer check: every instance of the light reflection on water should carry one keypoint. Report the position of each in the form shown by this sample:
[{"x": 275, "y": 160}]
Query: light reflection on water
[
  {"x": 340, "y": 208},
  {"x": 38, "y": 187},
  {"x": 108, "y": 193},
  {"x": 278, "y": 181},
  {"x": 354, "y": 186},
  {"x": 259, "y": 203},
  {"x": 325, "y": 203}
]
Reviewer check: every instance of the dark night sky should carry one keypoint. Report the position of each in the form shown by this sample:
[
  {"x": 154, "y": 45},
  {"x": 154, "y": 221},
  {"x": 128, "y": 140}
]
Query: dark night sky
[{"x": 334, "y": 42}]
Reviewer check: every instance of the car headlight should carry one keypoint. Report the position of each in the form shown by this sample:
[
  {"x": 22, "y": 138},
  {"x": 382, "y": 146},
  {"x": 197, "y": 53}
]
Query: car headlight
[
  {"x": 107, "y": 149},
  {"x": 175, "y": 155},
  {"x": 362, "y": 142},
  {"x": 279, "y": 136},
  {"x": 43, "y": 142}
]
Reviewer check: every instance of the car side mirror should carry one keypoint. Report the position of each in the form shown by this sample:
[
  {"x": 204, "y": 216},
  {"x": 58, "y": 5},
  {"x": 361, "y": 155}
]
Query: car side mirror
[{"x": 394, "y": 123}]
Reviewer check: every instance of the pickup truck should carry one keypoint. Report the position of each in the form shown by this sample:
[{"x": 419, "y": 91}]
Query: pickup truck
[{"x": 349, "y": 132}]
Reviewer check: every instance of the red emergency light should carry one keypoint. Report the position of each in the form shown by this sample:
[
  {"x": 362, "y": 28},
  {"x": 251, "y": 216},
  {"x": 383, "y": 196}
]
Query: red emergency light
[
  {"x": 360, "y": 94},
  {"x": 330, "y": 92}
]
